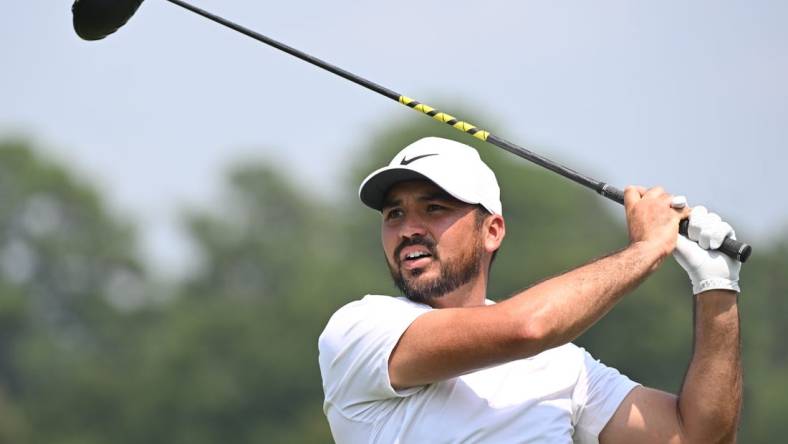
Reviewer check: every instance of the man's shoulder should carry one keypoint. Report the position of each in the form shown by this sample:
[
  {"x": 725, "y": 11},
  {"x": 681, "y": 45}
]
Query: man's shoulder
[
  {"x": 371, "y": 309},
  {"x": 362, "y": 333}
]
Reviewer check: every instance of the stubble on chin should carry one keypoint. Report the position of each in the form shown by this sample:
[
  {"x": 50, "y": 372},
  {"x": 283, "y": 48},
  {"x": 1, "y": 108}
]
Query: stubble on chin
[{"x": 451, "y": 276}]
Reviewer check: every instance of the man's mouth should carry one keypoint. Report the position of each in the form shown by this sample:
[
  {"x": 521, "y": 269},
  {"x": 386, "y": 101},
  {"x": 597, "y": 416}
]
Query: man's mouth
[
  {"x": 416, "y": 255},
  {"x": 413, "y": 258}
]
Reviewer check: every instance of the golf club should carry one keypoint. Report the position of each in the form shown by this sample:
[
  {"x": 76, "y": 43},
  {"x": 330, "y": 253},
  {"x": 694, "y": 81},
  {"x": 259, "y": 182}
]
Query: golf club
[{"x": 96, "y": 19}]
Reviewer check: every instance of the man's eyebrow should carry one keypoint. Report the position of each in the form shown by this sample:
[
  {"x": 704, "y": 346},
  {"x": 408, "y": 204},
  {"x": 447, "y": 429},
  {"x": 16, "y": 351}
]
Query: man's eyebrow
[
  {"x": 387, "y": 203},
  {"x": 438, "y": 195}
]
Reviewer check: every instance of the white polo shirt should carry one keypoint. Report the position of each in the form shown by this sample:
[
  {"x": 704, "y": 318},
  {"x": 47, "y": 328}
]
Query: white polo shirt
[{"x": 561, "y": 395}]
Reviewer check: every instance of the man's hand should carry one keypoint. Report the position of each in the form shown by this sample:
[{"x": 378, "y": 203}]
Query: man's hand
[
  {"x": 652, "y": 219},
  {"x": 707, "y": 269}
]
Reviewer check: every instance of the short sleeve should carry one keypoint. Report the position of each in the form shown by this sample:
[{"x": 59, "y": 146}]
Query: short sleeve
[
  {"x": 354, "y": 353},
  {"x": 597, "y": 395}
]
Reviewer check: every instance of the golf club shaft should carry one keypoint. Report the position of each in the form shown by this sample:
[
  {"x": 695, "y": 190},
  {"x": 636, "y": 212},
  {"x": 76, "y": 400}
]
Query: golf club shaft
[
  {"x": 605, "y": 190},
  {"x": 733, "y": 248}
]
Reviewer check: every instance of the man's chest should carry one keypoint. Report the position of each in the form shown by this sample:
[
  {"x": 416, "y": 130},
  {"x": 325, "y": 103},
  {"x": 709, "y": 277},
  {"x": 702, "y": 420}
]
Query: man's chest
[{"x": 522, "y": 401}]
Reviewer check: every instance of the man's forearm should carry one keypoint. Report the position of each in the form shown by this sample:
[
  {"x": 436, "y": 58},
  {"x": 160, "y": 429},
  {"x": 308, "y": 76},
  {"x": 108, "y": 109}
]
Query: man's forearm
[
  {"x": 561, "y": 308},
  {"x": 711, "y": 395}
]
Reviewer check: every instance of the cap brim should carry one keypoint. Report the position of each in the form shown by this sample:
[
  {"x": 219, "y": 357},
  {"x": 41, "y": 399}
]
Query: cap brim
[{"x": 373, "y": 191}]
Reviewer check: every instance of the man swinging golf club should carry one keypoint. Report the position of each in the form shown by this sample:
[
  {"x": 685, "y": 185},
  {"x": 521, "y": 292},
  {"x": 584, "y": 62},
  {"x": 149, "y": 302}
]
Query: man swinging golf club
[{"x": 444, "y": 364}]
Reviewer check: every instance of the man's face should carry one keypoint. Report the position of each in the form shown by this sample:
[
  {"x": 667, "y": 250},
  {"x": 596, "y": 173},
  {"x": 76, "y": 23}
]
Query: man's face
[{"x": 432, "y": 242}]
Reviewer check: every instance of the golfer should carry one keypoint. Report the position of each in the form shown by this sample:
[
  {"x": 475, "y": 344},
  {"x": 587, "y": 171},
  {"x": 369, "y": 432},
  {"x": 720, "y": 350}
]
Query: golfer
[{"x": 444, "y": 364}]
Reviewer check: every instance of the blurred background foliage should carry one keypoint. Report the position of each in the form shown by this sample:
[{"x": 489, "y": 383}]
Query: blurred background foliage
[{"x": 94, "y": 350}]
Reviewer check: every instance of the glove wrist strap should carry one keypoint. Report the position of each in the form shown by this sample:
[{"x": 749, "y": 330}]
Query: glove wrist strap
[{"x": 715, "y": 284}]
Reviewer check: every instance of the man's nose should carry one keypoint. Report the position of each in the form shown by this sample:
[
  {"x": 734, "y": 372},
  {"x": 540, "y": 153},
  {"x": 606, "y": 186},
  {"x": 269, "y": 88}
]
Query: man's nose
[{"x": 413, "y": 227}]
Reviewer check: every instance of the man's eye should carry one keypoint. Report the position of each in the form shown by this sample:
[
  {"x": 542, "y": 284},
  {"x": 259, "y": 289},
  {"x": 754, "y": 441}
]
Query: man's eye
[
  {"x": 393, "y": 214},
  {"x": 431, "y": 208}
]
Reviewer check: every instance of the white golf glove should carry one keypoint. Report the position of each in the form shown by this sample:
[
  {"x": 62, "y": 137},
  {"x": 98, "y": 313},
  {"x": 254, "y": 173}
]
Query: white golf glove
[{"x": 707, "y": 269}]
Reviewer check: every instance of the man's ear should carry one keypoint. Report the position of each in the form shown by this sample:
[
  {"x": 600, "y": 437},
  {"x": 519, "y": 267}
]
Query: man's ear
[{"x": 494, "y": 232}]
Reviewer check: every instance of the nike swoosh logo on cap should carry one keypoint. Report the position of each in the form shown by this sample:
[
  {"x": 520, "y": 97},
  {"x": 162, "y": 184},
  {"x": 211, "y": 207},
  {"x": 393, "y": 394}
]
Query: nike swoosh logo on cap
[{"x": 406, "y": 161}]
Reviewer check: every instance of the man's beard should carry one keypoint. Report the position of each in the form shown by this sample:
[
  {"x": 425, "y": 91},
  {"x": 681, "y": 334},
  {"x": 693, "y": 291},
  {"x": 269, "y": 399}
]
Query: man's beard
[{"x": 453, "y": 274}]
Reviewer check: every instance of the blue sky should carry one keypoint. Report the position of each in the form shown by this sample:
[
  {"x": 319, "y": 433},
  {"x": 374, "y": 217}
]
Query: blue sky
[{"x": 690, "y": 95}]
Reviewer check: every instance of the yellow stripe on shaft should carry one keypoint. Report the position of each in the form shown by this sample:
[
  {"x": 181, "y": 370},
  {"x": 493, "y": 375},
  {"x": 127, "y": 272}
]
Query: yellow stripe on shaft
[{"x": 445, "y": 118}]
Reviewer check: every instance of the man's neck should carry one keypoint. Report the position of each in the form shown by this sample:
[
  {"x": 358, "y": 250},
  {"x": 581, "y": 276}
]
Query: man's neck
[{"x": 472, "y": 294}]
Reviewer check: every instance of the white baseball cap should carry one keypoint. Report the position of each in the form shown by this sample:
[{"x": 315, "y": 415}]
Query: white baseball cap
[{"x": 453, "y": 166}]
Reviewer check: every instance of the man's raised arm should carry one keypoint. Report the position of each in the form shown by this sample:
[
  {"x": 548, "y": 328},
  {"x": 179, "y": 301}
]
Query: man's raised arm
[
  {"x": 707, "y": 408},
  {"x": 449, "y": 342}
]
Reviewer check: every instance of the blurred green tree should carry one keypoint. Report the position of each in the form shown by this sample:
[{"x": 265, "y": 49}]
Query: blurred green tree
[
  {"x": 232, "y": 357},
  {"x": 67, "y": 271}
]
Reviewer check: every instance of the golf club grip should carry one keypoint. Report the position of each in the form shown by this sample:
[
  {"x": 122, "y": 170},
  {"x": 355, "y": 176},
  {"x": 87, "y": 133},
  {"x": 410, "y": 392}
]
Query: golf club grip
[
  {"x": 731, "y": 247},
  {"x": 611, "y": 193}
]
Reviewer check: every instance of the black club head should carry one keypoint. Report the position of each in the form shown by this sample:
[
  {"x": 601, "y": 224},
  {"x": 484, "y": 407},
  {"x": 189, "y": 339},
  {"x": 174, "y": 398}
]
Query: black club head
[{"x": 96, "y": 19}]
